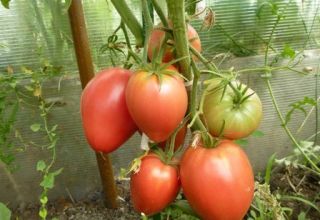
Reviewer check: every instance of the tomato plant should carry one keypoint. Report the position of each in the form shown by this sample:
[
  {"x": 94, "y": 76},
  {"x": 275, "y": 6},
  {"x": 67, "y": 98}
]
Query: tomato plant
[
  {"x": 154, "y": 186},
  {"x": 158, "y": 35},
  {"x": 181, "y": 135},
  {"x": 233, "y": 109},
  {"x": 218, "y": 182},
  {"x": 157, "y": 101},
  {"x": 106, "y": 121}
]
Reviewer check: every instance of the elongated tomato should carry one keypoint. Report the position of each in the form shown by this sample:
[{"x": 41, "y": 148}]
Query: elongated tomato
[
  {"x": 218, "y": 182},
  {"x": 106, "y": 121},
  {"x": 157, "y": 103}
]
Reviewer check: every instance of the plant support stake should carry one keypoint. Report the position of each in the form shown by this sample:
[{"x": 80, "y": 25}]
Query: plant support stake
[{"x": 86, "y": 71}]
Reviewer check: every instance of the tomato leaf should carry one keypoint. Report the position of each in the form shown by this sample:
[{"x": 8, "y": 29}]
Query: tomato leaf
[
  {"x": 257, "y": 133},
  {"x": 300, "y": 105},
  {"x": 242, "y": 142},
  {"x": 5, "y": 213}
]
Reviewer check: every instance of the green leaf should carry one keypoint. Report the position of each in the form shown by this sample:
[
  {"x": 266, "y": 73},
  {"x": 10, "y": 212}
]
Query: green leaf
[
  {"x": 5, "y": 3},
  {"x": 57, "y": 172},
  {"x": 303, "y": 200},
  {"x": 41, "y": 165},
  {"x": 242, "y": 142},
  {"x": 43, "y": 213},
  {"x": 185, "y": 207},
  {"x": 48, "y": 180},
  {"x": 300, "y": 105},
  {"x": 302, "y": 216},
  {"x": 288, "y": 51},
  {"x": 269, "y": 168},
  {"x": 35, "y": 127},
  {"x": 44, "y": 200},
  {"x": 5, "y": 213},
  {"x": 257, "y": 133}
]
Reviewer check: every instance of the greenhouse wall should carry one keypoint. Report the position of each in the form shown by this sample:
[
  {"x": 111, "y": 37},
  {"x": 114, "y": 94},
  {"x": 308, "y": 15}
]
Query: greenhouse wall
[{"x": 29, "y": 38}]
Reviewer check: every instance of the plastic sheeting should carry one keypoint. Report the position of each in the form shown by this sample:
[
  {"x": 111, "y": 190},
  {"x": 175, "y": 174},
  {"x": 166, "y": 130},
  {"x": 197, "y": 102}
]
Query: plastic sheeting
[{"x": 32, "y": 32}]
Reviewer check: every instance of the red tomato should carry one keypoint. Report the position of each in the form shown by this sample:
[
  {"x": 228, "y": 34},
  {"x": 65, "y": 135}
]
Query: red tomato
[
  {"x": 156, "y": 105},
  {"x": 154, "y": 186},
  {"x": 218, "y": 182},
  {"x": 106, "y": 121},
  {"x": 181, "y": 135},
  {"x": 157, "y": 36}
]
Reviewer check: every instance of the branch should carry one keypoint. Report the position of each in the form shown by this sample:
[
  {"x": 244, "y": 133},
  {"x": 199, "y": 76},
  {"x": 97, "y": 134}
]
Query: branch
[{"x": 130, "y": 20}]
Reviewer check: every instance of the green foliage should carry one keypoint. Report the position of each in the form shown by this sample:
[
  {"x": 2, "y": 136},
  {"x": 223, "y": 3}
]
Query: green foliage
[
  {"x": 179, "y": 210},
  {"x": 9, "y": 107},
  {"x": 5, "y": 213},
  {"x": 300, "y": 105},
  {"x": 5, "y": 3},
  {"x": 267, "y": 5},
  {"x": 298, "y": 160},
  {"x": 265, "y": 205},
  {"x": 270, "y": 163},
  {"x": 288, "y": 52}
]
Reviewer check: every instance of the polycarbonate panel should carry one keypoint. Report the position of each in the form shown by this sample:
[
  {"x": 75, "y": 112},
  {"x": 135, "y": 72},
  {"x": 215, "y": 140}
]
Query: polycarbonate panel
[{"x": 34, "y": 31}]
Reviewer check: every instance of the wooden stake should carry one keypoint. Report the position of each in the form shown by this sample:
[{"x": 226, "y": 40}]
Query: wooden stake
[{"x": 86, "y": 71}]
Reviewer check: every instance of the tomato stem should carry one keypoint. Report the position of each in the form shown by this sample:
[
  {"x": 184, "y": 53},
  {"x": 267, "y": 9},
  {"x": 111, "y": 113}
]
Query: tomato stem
[
  {"x": 148, "y": 28},
  {"x": 160, "y": 13},
  {"x": 176, "y": 11},
  {"x": 295, "y": 142},
  {"x": 130, "y": 20},
  {"x": 209, "y": 65}
]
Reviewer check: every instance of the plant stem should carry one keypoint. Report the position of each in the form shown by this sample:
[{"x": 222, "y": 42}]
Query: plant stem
[
  {"x": 130, "y": 20},
  {"x": 160, "y": 13},
  {"x": 209, "y": 65},
  {"x": 148, "y": 28},
  {"x": 275, "y": 104},
  {"x": 177, "y": 17}
]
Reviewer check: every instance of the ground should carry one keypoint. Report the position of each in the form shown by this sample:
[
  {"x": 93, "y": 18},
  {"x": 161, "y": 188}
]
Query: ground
[{"x": 286, "y": 181}]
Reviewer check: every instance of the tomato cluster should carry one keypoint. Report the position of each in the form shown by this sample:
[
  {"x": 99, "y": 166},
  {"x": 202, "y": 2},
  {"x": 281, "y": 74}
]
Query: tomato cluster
[{"x": 215, "y": 176}]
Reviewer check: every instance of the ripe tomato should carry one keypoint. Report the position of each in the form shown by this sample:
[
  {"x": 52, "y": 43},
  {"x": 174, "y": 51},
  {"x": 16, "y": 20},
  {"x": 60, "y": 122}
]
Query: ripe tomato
[
  {"x": 239, "y": 119},
  {"x": 157, "y": 36},
  {"x": 218, "y": 182},
  {"x": 181, "y": 135},
  {"x": 154, "y": 186},
  {"x": 106, "y": 121},
  {"x": 156, "y": 104}
]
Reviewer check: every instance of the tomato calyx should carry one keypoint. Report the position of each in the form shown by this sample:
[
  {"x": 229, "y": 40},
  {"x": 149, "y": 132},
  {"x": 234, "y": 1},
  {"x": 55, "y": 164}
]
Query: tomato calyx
[{"x": 240, "y": 93}]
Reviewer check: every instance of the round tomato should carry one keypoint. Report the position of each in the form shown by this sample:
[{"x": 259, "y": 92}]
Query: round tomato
[
  {"x": 222, "y": 109},
  {"x": 106, "y": 121},
  {"x": 157, "y": 103},
  {"x": 154, "y": 186},
  {"x": 181, "y": 135},
  {"x": 218, "y": 182},
  {"x": 157, "y": 37}
]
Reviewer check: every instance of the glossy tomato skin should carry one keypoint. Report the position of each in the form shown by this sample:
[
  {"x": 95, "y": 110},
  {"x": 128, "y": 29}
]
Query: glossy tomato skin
[
  {"x": 106, "y": 121},
  {"x": 157, "y": 36},
  {"x": 154, "y": 186},
  {"x": 180, "y": 137},
  {"x": 240, "y": 120},
  {"x": 156, "y": 106},
  {"x": 217, "y": 182}
]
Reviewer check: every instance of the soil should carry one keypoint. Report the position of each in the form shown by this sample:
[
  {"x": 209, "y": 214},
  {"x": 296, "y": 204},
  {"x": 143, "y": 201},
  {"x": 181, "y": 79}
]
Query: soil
[
  {"x": 91, "y": 207},
  {"x": 297, "y": 182},
  {"x": 285, "y": 181}
]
